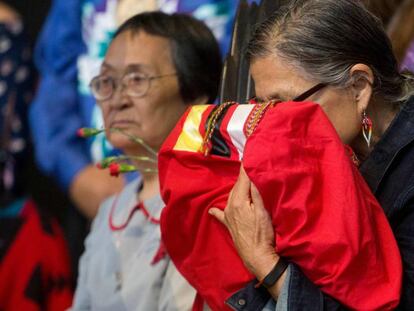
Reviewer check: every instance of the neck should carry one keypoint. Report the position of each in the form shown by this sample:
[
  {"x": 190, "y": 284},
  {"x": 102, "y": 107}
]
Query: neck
[
  {"x": 381, "y": 114},
  {"x": 151, "y": 186},
  {"x": 150, "y": 181}
]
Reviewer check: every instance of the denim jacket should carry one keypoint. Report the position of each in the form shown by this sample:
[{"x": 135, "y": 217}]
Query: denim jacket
[{"x": 389, "y": 172}]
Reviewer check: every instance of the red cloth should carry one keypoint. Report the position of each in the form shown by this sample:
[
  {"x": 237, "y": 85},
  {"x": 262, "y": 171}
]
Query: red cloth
[
  {"x": 326, "y": 220},
  {"x": 34, "y": 266}
]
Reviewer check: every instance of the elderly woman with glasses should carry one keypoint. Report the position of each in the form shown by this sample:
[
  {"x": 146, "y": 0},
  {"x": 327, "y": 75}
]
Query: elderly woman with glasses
[
  {"x": 298, "y": 204},
  {"x": 156, "y": 66},
  {"x": 340, "y": 44}
]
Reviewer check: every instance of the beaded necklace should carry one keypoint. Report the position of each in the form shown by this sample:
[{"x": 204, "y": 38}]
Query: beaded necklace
[{"x": 139, "y": 206}]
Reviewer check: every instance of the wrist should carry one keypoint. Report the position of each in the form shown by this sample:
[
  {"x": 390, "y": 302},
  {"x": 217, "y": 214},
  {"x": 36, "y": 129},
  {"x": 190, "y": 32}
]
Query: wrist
[
  {"x": 275, "y": 279},
  {"x": 262, "y": 264}
]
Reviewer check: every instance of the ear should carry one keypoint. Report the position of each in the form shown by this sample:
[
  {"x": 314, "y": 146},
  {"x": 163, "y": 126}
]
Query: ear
[{"x": 362, "y": 79}]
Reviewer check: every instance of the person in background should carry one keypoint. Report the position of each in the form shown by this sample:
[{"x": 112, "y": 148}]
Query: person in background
[
  {"x": 156, "y": 66},
  {"x": 354, "y": 58},
  {"x": 397, "y": 17},
  {"x": 408, "y": 61},
  {"x": 68, "y": 55},
  {"x": 383, "y": 9},
  {"x": 34, "y": 262},
  {"x": 401, "y": 32}
]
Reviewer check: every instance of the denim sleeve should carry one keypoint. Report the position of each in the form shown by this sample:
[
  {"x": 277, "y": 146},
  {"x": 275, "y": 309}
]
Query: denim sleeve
[
  {"x": 304, "y": 295},
  {"x": 55, "y": 114},
  {"x": 404, "y": 233},
  {"x": 251, "y": 298},
  {"x": 297, "y": 294}
]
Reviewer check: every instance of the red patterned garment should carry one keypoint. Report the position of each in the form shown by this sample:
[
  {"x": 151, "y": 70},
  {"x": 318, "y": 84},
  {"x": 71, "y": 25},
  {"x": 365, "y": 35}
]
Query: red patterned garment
[
  {"x": 34, "y": 263},
  {"x": 325, "y": 218}
]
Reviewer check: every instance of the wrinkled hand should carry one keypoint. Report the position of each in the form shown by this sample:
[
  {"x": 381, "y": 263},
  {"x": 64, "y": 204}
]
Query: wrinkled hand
[{"x": 250, "y": 226}]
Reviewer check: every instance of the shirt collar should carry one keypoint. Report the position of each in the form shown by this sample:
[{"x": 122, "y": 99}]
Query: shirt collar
[{"x": 399, "y": 134}]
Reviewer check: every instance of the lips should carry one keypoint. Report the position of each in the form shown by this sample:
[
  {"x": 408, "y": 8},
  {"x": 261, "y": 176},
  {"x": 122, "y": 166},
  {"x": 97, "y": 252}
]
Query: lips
[{"x": 121, "y": 123}]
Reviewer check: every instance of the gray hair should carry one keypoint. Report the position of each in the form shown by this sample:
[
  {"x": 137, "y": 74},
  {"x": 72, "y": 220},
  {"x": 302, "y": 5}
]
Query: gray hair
[{"x": 325, "y": 38}]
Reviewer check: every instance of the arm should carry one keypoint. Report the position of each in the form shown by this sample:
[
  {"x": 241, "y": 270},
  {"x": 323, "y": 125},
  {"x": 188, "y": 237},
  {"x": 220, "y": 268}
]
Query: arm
[
  {"x": 404, "y": 234},
  {"x": 82, "y": 299},
  {"x": 56, "y": 113},
  {"x": 251, "y": 229},
  {"x": 252, "y": 232}
]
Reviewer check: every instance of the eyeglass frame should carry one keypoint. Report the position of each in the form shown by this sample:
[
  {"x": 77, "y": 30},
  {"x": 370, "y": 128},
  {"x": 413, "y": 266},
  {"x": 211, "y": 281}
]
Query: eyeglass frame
[
  {"x": 308, "y": 93},
  {"x": 116, "y": 84}
]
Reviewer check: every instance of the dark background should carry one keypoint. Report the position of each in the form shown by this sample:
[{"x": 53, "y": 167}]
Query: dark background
[
  {"x": 33, "y": 12},
  {"x": 49, "y": 198}
]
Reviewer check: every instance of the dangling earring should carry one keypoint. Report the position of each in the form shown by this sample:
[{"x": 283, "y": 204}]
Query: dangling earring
[{"x": 366, "y": 128}]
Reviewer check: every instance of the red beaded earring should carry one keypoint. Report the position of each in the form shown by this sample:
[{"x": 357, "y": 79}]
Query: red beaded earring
[{"x": 366, "y": 128}]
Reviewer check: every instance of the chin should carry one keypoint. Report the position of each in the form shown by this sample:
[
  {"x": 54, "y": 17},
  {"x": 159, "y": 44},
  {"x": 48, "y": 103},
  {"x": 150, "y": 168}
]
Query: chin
[{"x": 119, "y": 141}]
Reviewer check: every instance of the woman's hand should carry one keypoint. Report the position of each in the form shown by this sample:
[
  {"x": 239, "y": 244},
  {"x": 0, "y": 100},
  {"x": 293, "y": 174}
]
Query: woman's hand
[{"x": 250, "y": 226}]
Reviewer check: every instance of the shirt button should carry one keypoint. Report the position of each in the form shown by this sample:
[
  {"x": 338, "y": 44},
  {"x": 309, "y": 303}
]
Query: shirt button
[{"x": 241, "y": 302}]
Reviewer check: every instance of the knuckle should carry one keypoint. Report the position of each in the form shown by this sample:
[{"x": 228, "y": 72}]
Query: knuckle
[{"x": 236, "y": 204}]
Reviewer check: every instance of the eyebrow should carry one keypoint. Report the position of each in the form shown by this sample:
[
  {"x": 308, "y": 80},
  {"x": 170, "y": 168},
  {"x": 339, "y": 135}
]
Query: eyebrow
[
  {"x": 107, "y": 66},
  {"x": 129, "y": 68},
  {"x": 133, "y": 67}
]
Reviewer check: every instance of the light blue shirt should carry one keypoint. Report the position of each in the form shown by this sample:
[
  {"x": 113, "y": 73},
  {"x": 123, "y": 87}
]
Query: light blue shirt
[{"x": 116, "y": 270}]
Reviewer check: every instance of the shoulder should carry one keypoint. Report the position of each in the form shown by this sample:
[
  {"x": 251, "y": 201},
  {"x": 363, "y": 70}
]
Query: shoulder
[{"x": 389, "y": 170}]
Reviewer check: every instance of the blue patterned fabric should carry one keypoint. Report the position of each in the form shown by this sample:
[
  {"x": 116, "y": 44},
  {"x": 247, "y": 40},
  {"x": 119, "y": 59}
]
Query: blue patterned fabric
[{"x": 16, "y": 88}]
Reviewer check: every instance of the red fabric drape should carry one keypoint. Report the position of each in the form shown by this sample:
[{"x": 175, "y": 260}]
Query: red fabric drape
[{"x": 325, "y": 218}]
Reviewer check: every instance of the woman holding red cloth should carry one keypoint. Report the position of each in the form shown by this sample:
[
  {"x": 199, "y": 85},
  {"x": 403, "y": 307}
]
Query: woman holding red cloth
[{"x": 323, "y": 218}]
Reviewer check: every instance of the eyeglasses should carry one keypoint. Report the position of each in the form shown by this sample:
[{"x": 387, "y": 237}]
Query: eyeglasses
[
  {"x": 300, "y": 97},
  {"x": 309, "y": 92},
  {"x": 136, "y": 84}
]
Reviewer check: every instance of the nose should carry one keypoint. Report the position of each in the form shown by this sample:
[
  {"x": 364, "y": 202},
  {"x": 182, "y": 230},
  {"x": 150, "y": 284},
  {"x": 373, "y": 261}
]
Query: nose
[{"x": 120, "y": 98}]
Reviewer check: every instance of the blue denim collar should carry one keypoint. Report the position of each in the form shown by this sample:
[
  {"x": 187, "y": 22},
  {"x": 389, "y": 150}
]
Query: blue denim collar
[{"x": 399, "y": 135}]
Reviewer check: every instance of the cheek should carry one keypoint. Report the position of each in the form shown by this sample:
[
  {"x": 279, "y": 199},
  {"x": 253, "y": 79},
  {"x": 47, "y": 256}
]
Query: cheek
[
  {"x": 145, "y": 114},
  {"x": 161, "y": 123},
  {"x": 342, "y": 113},
  {"x": 163, "y": 107},
  {"x": 158, "y": 113},
  {"x": 346, "y": 123},
  {"x": 105, "y": 116},
  {"x": 118, "y": 141},
  {"x": 150, "y": 119}
]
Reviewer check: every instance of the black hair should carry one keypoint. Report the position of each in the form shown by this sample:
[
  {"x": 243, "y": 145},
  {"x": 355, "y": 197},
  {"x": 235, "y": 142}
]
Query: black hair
[{"x": 195, "y": 51}]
